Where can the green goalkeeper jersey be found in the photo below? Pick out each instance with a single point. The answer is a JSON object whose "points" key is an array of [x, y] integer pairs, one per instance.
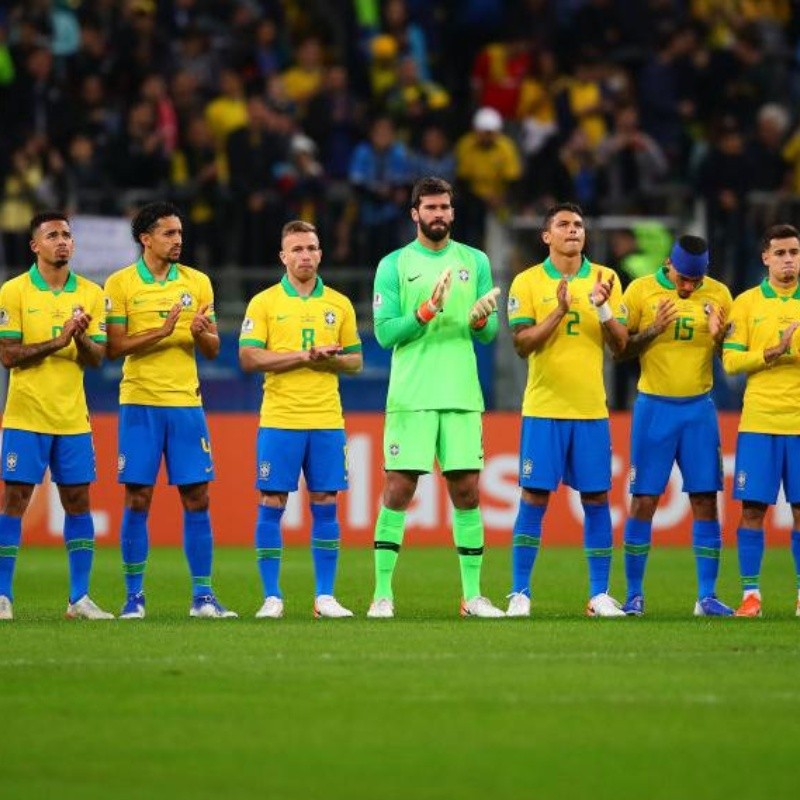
{"points": [[433, 364]]}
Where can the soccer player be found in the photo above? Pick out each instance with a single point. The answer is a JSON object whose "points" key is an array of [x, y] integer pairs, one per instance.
{"points": [[761, 343], [561, 312], [676, 321], [433, 297], [159, 313], [52, 326], [302, 335]]}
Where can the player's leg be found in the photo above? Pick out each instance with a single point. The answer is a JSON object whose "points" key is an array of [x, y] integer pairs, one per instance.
{"points": [[279, 456], [791, 486], [325, 469], [655, 431], [541, 467], [795, 546], [588, 470], [757, 478], [141, 432], [25, 456], [409, 447]]}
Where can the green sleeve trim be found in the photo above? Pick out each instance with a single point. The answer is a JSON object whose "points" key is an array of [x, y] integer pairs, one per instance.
{"points": [[116, 320], [521, 321], [251, 343], [734, 346], [353, 348], [11, 334], [622, 320], [100, 338]]}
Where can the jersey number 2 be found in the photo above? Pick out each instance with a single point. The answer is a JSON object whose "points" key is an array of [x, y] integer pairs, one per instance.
{"points": [[573, 319]]}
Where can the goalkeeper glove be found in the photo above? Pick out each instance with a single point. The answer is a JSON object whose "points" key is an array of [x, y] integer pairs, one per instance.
{"points": [[430, 308], [483, 307]]}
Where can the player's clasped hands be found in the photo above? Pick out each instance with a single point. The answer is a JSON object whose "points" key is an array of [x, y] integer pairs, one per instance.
{"points": [[602, 289], [563, 295], [322, 355], [75, 326], [171, 320], [200, 322], [484, 306], [716, 323], [666, 314]]}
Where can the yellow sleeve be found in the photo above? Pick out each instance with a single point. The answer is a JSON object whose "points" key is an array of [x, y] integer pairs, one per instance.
{"points": [[255, 325], [617, 306], [348, 333], [116, 301], [10, 311], [97, 311], [631, 307], [736, 355], [520, 302], [205, 296]]}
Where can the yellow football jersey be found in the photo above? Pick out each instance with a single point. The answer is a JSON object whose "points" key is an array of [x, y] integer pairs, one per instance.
{"points": [[166, 373], [678, 363], [565, 375], [48, 396], [757, 318], [280, 320]]}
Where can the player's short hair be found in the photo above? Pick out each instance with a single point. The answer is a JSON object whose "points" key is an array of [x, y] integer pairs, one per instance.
{"points": [[298, 226], [553, 210], [425, 187], [45, 216], [148, 216], [695, 245], [778, 232]]}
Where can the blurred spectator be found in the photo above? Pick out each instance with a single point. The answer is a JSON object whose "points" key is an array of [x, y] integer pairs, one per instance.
{"points": [[488, 163], [93, 115], [94, 56], [383, 66], [301, 180], [154, 91], [767, 165], [409, 37], [597, 25], [434, 157], [380, 172], [304, 80], [265, 54], [580, 100], [186, 99], [225, 113], [499, 71], [195, 55], [88, 188], [415, 103], [632, 165], [580, 159]]}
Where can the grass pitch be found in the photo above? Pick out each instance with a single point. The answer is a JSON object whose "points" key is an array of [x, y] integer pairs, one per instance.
{"points": [[423, 706]]}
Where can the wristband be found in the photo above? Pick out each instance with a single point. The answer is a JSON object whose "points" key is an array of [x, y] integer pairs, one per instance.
{"points": [[479, 324], [604, 312], [424, 313]]}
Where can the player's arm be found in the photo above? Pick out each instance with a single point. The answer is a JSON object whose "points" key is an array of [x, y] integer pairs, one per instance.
{"points": [[529, 337], [14, 353], [638, 341], [90, 352], [483, 320], [327, 358], [392, 325], [604, 294], [737, 358], [338, 362], [121, 343], [204, 332]]}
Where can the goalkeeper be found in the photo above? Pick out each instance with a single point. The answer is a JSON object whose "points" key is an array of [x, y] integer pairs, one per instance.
{"points": [[432, 298]]}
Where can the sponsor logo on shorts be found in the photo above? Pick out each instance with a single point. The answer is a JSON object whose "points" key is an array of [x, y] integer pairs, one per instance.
{"points": [[11, 462], [264, 469], [121, 461], [394, 449], [741, 479], [527, 468]]}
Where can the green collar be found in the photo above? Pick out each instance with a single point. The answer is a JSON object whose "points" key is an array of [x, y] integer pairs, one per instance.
{"points": [[41, 284], [420, 248], [292, 292], [661, 277], [148, 277], [769, 291], [552, 272]]}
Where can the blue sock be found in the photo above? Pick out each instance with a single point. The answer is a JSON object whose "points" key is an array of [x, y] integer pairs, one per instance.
{"points": [[269, 547], [598, 545], [750, 544], [79, 541], [324, 545], [707, 543], [198, 544], [526, 542], [638, 535], [796, 555], [134, 542], [10, 536]]}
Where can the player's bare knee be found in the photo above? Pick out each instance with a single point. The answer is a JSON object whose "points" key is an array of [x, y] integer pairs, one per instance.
{"points": [[643, 506], [704, 506], [594, 498], [753, 515], [535, 497], [75, 498], [398, 491], [16, 498], [463, 488], [138, 498], [194, 496], [274, 499]]}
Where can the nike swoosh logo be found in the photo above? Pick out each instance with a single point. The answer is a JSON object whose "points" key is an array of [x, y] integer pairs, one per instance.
{"points": [[282, 317], [32, 310], [139, 302], [758, 319], [548, 299], [209, 469], [414, 277]]}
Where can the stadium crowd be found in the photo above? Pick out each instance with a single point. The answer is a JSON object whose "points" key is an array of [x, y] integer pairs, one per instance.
{"points": [[250, 112]]}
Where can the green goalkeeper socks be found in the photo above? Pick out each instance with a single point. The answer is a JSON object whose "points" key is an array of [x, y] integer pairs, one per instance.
{"points": [[468, 536], [388, 538]]}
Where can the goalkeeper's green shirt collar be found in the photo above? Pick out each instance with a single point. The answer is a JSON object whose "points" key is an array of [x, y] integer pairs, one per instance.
{"points": [[420, 248]]}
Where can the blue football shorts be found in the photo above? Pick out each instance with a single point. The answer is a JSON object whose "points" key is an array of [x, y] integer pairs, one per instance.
{"points": [[682, 431], [763, 461], [26, 455], [281, 454], [178, 434], [575, 451]]}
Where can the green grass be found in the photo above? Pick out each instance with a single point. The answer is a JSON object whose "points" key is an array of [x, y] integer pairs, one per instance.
{"points": [[423, 706]]}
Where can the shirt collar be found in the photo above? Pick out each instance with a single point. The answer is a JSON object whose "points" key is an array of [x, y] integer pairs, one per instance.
{"points": [[41, 284], [768, 290], [292, 292], [148, 277], [552, 272]]}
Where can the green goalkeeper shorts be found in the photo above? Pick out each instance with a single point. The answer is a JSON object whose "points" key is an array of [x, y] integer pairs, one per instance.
{"points": [[412, 439]]}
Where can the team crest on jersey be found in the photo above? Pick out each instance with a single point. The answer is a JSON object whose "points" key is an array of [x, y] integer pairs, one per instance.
{"points": [[377, 300], [121, 462], [741, 479], [108, 304], [3, 317], [264, 468], [330, 317], [11, 462], [394, 449], [527, 468], [247, 325], [513, 304], [463, 275], [186, 299], [707, 309]]}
